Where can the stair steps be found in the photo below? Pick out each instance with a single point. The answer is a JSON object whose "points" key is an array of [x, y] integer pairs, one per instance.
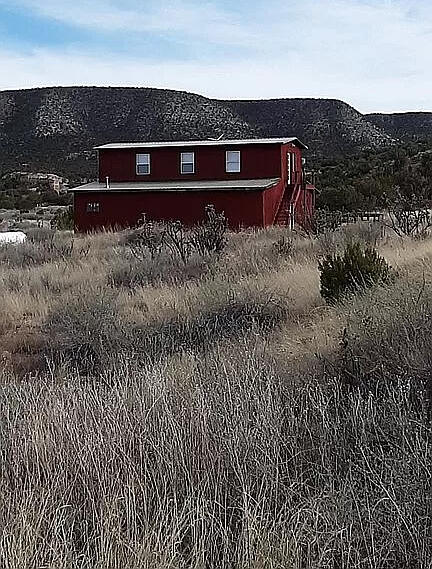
{"points": [[283, 216]]}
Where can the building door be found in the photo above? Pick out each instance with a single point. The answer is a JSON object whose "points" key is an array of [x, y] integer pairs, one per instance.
{"points": [[291, 166]]}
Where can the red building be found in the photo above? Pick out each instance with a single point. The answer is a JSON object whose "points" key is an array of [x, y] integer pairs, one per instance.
{"points": [[257, 182]]}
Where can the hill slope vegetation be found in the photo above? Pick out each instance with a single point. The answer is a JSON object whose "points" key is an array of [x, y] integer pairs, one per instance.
{"points": [[404, 126], [56, 128], [330, 128]]}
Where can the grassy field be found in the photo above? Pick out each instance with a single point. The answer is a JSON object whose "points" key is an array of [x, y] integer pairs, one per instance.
{"points": [[213, 414]]}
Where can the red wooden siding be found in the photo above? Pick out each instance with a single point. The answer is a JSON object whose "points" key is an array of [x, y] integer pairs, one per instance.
{"points": [[257, 161], [122, 209]]}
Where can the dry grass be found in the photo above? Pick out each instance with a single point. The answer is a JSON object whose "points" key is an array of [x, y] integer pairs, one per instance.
{"points": [[182, 418], [252, 284], [214, 463]]}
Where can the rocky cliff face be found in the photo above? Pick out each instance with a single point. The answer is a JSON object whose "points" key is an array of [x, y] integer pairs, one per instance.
{"points": [[56, 128]]}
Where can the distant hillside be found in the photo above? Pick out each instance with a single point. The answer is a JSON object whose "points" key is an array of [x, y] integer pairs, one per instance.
{"points": [[55, 129], [329, 127], [412, 126]]}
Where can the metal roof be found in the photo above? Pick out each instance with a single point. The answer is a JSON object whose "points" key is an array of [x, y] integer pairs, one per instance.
{"points": [[225, 142], [179, 186]]}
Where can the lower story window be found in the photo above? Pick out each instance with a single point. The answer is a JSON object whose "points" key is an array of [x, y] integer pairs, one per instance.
{"points": [[93, 207]]}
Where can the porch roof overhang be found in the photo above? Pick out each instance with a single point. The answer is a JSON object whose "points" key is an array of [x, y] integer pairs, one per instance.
{"points": [[179, 186]]}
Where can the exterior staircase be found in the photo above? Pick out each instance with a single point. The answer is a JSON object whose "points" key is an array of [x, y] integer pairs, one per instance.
{"points": [[287, 205]]}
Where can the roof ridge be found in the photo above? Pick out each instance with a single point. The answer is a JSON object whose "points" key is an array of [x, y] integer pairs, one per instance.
{"points": [[203, 142]]}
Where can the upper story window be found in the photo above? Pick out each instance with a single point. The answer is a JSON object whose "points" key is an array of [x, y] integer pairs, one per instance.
{"points": [[233, 161], [143, 164], [187, 163]]}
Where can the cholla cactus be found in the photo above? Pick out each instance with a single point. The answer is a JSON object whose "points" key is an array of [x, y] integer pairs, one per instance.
{"points": [[209, 237]]}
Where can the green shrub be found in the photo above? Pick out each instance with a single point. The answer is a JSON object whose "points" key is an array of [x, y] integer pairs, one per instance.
{"points": [[358, 268], [323, 221], [64, 220]]}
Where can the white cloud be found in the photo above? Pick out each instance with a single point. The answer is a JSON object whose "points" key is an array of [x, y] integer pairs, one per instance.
{"points": [[239, 79], [374, 54]]}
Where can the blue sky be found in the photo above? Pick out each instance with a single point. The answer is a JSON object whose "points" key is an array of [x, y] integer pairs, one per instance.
{"points": [[374, 54]]}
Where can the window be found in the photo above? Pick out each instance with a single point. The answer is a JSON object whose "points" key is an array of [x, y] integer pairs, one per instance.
{"points": [[187, 161], [143, 164], [233, 161], [93, 207]]}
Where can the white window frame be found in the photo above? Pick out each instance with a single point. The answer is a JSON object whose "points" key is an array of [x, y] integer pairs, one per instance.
{"points": [[290, 164], [229, 163], [141, 161], [93, 207], [184, 162]]}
